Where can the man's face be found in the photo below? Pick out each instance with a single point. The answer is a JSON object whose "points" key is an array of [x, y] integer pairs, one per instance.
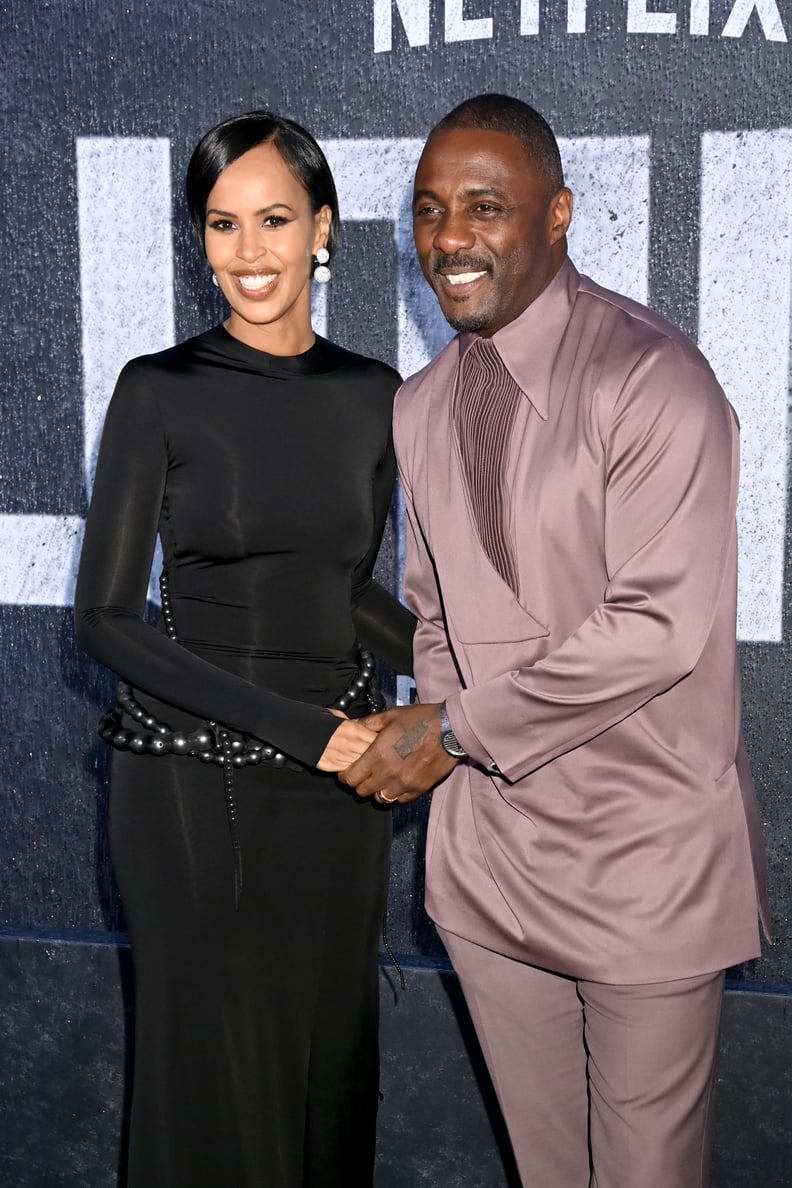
{"points": [[489, 231]]}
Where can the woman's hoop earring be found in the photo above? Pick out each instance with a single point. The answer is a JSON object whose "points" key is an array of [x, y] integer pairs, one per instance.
{"points": [[321, 272]]}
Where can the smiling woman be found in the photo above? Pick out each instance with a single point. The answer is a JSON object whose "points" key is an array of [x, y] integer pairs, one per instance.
{"points": [[260, 239], [262, 207], [262, 455]]}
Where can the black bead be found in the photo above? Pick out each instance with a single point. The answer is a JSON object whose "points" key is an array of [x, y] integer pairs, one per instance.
{"points": [[213, 743]]}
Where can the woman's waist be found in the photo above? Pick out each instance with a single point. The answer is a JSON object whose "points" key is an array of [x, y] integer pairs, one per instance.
{"points": [[266, 623], [314, 679], [228, 652], [308, 676]]}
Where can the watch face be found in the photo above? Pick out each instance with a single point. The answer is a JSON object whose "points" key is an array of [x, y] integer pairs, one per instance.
{"points": [[451, 744]]}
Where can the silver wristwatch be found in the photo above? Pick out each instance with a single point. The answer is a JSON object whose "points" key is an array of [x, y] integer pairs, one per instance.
{"points": [[448, 740]]}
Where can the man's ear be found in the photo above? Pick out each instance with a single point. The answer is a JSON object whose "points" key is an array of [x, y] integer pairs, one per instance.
{"points": [[560, 214]]}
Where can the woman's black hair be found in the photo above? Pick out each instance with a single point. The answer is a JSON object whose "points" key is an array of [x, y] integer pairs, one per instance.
{"points": [[223, 145]]}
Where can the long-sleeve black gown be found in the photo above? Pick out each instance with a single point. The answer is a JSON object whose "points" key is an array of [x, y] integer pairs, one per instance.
{"points": [[268, 480]]}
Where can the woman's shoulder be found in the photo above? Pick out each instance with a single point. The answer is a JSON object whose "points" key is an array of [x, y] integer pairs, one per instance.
{"points": [[363, 367], [172, 359]]}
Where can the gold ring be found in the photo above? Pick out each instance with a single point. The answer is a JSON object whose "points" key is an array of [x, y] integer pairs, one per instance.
{"points": [[386, 799]]}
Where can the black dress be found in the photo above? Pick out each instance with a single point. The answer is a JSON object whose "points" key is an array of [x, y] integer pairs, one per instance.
{"points": [[268, 480]]}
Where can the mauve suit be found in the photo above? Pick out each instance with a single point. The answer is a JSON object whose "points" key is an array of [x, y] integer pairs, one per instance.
{"points": [[606, 825]]}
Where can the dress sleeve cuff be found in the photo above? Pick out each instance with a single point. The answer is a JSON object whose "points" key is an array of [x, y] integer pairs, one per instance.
{"points": [[306, 738]]}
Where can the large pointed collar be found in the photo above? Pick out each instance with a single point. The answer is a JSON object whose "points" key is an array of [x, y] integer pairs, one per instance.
{"points": [[528, 346]]}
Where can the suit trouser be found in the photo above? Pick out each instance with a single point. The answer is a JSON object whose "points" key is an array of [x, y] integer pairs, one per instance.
{"points": [[601, 1086]]}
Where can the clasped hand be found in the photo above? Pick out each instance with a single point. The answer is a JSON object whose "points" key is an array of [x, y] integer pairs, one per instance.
{"points": [[397, 753], [346, 744]]}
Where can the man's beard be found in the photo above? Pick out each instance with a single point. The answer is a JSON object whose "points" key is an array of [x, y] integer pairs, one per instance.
{"points": [[473, 321]]}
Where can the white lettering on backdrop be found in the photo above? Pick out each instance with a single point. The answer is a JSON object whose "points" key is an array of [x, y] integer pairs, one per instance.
{"points": [[415, 18], [126, 275]]}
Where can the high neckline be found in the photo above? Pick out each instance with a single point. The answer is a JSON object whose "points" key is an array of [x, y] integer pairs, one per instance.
{"points": [[321, 357]]}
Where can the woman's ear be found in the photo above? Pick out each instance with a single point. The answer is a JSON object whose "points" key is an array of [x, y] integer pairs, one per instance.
{"points": [[324, 221]]}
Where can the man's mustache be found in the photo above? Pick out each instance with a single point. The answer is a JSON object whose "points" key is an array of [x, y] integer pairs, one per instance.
{"points": [[460, 260]]}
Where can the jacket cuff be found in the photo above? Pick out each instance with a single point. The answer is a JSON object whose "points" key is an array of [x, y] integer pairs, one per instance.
{"points": [[466, 735]]}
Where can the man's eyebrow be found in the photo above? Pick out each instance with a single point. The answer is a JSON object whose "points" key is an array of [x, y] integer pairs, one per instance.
{"points": [[425, 194], [483, 191], [472, 192]]}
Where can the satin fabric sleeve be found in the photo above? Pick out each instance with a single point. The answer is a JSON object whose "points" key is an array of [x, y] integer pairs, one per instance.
{"points": [[112, 586], [671, 468]]}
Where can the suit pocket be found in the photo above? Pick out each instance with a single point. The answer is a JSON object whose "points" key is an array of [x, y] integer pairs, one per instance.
{"points": [[495, 620]]}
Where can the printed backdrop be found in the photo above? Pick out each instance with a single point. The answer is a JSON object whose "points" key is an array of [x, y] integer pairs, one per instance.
{"points": [[675, 121]]}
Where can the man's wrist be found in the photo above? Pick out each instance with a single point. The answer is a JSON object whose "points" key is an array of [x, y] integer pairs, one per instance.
{"points": [[448, 740]]}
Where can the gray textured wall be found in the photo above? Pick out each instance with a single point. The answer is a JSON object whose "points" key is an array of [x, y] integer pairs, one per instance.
{"points": [[679, 146]]}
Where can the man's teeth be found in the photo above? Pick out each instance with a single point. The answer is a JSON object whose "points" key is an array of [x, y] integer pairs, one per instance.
{"points": [[463, 278], [252, 283]]}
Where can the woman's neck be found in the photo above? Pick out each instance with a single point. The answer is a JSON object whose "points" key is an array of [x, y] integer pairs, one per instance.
{"points": [[275, 338]]}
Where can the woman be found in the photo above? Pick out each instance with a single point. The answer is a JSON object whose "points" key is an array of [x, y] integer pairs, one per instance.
{"points": [[262, 456]]}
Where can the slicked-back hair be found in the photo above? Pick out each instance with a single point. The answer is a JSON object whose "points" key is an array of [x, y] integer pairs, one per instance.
{"points": [[502, 113], [223, 145]]}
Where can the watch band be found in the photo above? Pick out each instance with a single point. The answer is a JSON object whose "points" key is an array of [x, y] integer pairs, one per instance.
{"points": [[448, 740]]}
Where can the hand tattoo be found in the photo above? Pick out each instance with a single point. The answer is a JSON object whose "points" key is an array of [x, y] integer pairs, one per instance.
{"points": [[410, 739]]}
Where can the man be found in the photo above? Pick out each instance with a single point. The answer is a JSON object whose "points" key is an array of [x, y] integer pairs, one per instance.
{"points": [[594, 861]]}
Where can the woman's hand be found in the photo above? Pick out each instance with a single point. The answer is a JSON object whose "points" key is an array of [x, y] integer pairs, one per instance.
{"points": [[346, 745]]}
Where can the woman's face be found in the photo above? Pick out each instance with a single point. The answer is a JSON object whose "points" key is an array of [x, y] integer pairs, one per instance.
{"points": [[260, 236]]}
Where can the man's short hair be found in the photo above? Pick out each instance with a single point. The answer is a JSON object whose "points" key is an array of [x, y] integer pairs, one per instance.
{"points": [[502, 113]]}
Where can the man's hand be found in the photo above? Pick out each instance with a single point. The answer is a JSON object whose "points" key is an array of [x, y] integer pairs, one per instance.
{"points": [[405, 760]]}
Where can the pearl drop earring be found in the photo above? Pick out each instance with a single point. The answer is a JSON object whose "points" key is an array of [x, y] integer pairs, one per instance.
{"points": [[321, 273], [215, 281]]}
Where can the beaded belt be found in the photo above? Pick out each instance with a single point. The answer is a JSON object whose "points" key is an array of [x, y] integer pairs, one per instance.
{"points": [[212, 742]]}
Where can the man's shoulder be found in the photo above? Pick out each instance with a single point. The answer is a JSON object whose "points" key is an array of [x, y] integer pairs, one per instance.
{"points": [[639, 326], [443, 364], [418, 386], [636, 354]]}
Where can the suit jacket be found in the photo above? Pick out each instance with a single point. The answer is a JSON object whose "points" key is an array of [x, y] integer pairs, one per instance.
{"points": [[605, 825]]}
